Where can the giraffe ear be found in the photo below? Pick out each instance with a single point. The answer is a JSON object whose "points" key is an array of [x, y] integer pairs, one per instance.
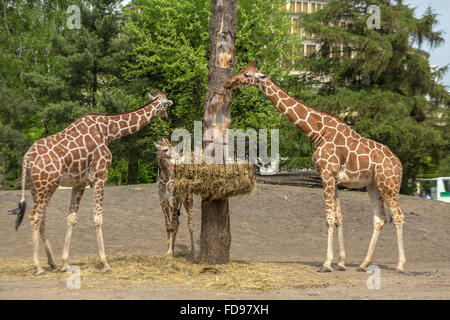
{"points": [[157, 146], [164, 90], [165, 140], [253, 64], [150, 97]]}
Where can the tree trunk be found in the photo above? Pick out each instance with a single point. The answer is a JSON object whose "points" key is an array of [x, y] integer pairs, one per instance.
{"points": [[132, 168], [215, 237]]}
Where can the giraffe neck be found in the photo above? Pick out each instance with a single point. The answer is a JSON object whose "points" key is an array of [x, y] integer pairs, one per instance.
{"points": [[125, 124], [305, 118], [166, 169]]}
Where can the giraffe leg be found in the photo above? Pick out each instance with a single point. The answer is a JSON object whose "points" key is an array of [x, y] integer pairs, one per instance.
{"points": [[398, 218], [329, 194], [172, 229], [188, 204], [77, 193], [99, 188], [37, 212], [379, 219], [339, 224], [48, 248]]}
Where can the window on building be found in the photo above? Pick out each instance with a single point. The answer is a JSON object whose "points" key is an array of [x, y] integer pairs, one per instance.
{"points": [[305, 7], [347, 52], [296, 27], [310, 50], [335, 51], [292, 6]]}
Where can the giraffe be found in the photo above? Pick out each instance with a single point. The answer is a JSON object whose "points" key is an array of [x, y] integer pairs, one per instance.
{"points": [[170, 199], [343, 157], [76, 157]]}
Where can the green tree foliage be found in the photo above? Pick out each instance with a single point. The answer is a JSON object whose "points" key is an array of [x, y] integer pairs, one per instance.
{"points": [[50, 75]]}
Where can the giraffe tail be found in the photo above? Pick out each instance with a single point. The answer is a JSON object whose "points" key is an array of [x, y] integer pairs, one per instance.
{"points": [[20, 210]]}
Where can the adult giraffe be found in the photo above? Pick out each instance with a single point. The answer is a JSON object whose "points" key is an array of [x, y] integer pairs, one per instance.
{"points": [[75, 157], [342, 156]]}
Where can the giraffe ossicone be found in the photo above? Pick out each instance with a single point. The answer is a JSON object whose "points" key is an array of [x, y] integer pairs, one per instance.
{"points": [[343, 157], [76, 157]]}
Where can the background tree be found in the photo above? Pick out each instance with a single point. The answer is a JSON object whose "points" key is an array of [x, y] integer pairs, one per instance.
{"points": [[376, 80], [50, 75]]}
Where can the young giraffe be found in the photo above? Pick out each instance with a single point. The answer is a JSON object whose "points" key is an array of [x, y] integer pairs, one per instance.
{"points": [[342, 156], [75, 157], [171, 200]]}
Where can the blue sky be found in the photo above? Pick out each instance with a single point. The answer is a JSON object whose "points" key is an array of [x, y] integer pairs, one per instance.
{"points": [[439, 56]]}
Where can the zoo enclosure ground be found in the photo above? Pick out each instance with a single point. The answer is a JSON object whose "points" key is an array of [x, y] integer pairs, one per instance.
{"points": [[277, 224]]}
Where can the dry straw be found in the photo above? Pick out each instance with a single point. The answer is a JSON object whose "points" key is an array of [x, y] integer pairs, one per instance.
{"points": [[215, 181], [137, 269]]}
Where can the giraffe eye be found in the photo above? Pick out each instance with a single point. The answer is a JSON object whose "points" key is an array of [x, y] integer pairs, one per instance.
{"points": [[247, 75]]}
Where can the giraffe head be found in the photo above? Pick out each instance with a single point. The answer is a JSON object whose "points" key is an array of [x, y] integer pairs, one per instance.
{"points": [[163, 103], [248, 76], [166, 151]]}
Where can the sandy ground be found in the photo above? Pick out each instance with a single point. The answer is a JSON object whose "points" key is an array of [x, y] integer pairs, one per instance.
{"points": [[283, 224]]}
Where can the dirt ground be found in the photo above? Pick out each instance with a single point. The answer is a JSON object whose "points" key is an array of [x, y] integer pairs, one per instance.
{"points": [[281, 224]]}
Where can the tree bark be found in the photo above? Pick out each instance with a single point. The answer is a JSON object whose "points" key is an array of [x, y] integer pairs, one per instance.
{"points": [[133, 166], [215, 237]]}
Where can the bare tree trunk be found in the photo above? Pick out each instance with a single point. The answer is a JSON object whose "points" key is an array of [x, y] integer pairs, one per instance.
{"points": [[133, 166], [215, 237]]}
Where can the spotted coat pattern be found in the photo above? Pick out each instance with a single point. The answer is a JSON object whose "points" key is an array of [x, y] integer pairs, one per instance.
{"points": [[171, 199], [76, 157], [343, 157]]}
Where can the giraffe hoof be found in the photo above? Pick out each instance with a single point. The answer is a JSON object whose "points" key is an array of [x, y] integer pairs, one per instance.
{"points": [[39, 271], [106, 269], [64, 267], [325, 268], [400, 270], [53, 266], [341, 267], [170, 254], [362, 269]]}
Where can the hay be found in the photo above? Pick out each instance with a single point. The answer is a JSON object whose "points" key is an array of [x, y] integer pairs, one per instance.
{"points": [[135, 269], [215, 181]]}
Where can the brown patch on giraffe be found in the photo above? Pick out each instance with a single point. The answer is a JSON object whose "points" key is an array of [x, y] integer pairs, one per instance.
{"points": [[41, 149], [133, 120], [79, 141], [342, 153], [352, 143], [301, 112], [339, 140], [362, 149], [142, 122], [364, 162], [315, 121], [76, 154], [344, 129], [282, 95], [354, 135], [352, 162]]}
